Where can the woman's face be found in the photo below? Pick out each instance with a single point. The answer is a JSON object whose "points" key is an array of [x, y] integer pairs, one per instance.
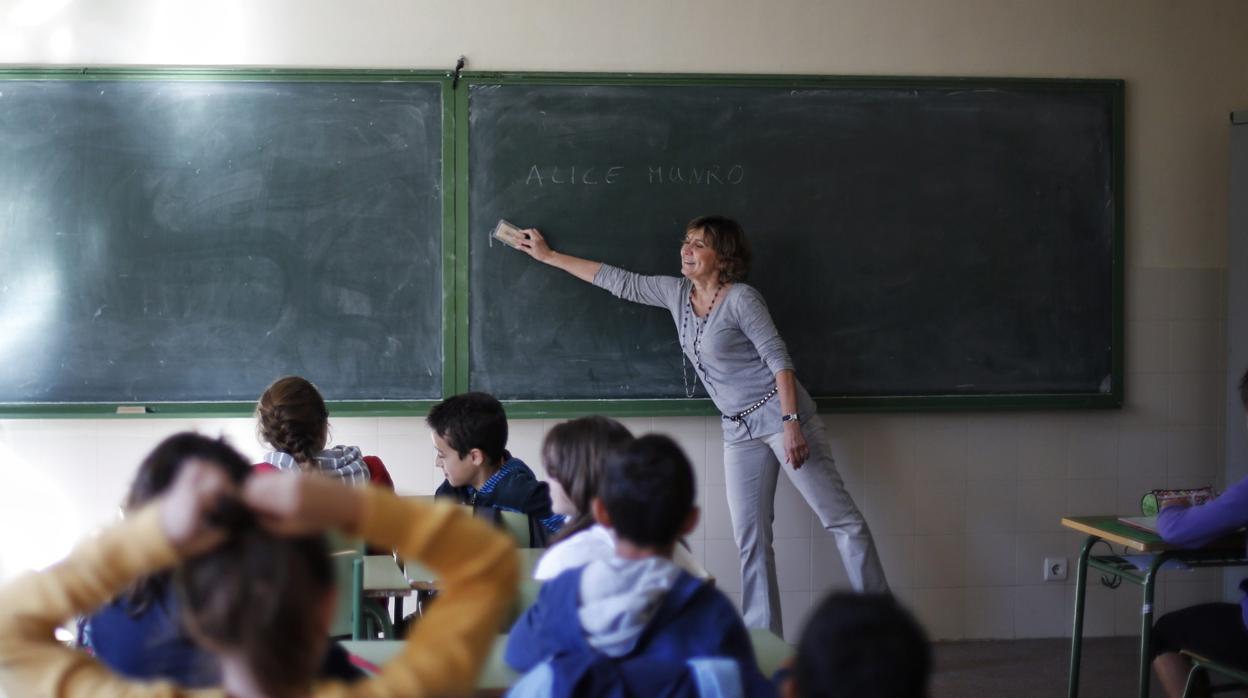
{"points": [[560, 502], [698, 260]]}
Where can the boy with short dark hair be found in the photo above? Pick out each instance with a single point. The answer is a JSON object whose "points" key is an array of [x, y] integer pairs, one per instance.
{"points": [[631, 624], [470, 441], [860, 645]]}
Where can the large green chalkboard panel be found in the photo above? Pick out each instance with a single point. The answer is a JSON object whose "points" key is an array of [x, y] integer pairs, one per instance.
{"points": [[914, 239], [190, 240]]}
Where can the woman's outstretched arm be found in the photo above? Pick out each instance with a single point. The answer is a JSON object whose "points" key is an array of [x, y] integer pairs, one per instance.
{"points": [[534, 245]]}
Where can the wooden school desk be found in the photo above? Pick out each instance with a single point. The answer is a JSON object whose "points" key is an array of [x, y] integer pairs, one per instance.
{"points": [[770, 650], [1228, 552]]}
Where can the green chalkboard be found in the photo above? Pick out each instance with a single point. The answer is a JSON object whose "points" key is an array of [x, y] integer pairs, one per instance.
{"points": [[938, 242], [174, 238]]}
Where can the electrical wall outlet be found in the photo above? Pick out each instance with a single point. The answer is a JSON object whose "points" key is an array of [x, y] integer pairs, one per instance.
{"points": [[1055, 569]]}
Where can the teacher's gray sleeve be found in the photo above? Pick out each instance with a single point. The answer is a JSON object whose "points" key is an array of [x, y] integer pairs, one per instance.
{"points": [[755, 322], [663, 291]]}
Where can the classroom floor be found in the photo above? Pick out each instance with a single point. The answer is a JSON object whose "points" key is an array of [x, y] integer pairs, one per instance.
{"points": [[1035, 668]]}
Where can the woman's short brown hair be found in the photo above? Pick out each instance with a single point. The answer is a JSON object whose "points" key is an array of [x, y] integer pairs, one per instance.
{"points": [[727, 238]]}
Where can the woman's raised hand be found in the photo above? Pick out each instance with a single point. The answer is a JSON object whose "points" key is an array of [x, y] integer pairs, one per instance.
{"points": [[534, 245], [300, 504]]}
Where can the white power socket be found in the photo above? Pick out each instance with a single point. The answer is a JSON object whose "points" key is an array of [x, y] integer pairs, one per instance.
{"points": [[1055, 569]]}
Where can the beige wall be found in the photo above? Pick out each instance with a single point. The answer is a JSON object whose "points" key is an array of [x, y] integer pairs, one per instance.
{"points": [[964, 506]]}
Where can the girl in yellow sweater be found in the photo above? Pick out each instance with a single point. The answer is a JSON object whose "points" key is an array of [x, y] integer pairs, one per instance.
{"points": [[257, 589]]}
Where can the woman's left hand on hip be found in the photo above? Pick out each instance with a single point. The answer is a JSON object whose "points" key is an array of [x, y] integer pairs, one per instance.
{"points": [[796, 451]]}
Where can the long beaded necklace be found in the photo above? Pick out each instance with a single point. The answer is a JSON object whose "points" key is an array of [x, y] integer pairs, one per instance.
{"points": [[699, 327]]}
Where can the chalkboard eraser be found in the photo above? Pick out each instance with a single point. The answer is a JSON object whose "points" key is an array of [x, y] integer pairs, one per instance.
{"points": [[132, 409], [508, 234]]}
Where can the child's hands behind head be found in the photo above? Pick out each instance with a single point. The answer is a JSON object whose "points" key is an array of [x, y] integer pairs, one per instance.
{"points": [[299, 504], [187, 509]]}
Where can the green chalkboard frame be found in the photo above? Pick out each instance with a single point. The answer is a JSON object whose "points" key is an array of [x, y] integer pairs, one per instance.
{"points": [[826, 403], [455, 177], [344, 408]]}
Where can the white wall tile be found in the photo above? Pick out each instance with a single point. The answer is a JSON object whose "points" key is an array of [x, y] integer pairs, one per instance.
{"points": [[1197, 345], [1192, 457], [1093, 452], [716, 520], [1142, 453], [989, 612], [888, 452], [713, 468], [940, 449], [1147, 400], [524, 440], [889, 509], [690, 434], [992, 451], [1041, 505], [897, 558], [940, 507], [1148, 343], [991, 507], [1150, 291], [723, 562], [793, 517], [1042, 452], [409, 458], [938, 561], [989, 560], [1091, 497], [793, 563], [1197, 399], [1197, 294]]}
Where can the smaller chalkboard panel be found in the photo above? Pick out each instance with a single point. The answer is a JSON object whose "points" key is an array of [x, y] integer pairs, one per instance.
{"points": [[169, 240]]}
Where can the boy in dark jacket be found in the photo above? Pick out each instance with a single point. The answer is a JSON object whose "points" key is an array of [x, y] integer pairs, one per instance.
{"points": [[470, 438], [630, 625]]}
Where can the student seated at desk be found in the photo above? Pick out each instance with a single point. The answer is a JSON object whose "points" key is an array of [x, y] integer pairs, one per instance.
{"points": [[470, 440], [1218, 631], [860, 645], [573, 454], [631, 624], [294, 422], [257, 583], [139, 634]]}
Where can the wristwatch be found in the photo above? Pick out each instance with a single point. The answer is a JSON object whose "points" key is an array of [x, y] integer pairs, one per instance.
{"points": [[790, 417]]}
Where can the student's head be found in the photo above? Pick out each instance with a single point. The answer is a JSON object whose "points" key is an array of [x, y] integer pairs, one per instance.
{"points": [[647, 493], [469, 436], [264, 603], [156, 474], [727, 239], [292, 418], [161, 467], [573, 454], [860, 645]]}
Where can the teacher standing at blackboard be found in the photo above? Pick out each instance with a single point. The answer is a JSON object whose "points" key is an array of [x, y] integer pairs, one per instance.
{"points": [[731, 343]]}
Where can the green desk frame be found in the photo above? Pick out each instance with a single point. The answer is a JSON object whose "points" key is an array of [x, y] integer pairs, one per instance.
{"points": [[1228, 553]]}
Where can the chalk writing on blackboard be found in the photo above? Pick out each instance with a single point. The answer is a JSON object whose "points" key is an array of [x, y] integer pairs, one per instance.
{"points": [[543, 175]]}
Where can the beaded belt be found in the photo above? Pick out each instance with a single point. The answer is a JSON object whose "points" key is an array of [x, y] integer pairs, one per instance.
{"points": [[740, 416]]}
